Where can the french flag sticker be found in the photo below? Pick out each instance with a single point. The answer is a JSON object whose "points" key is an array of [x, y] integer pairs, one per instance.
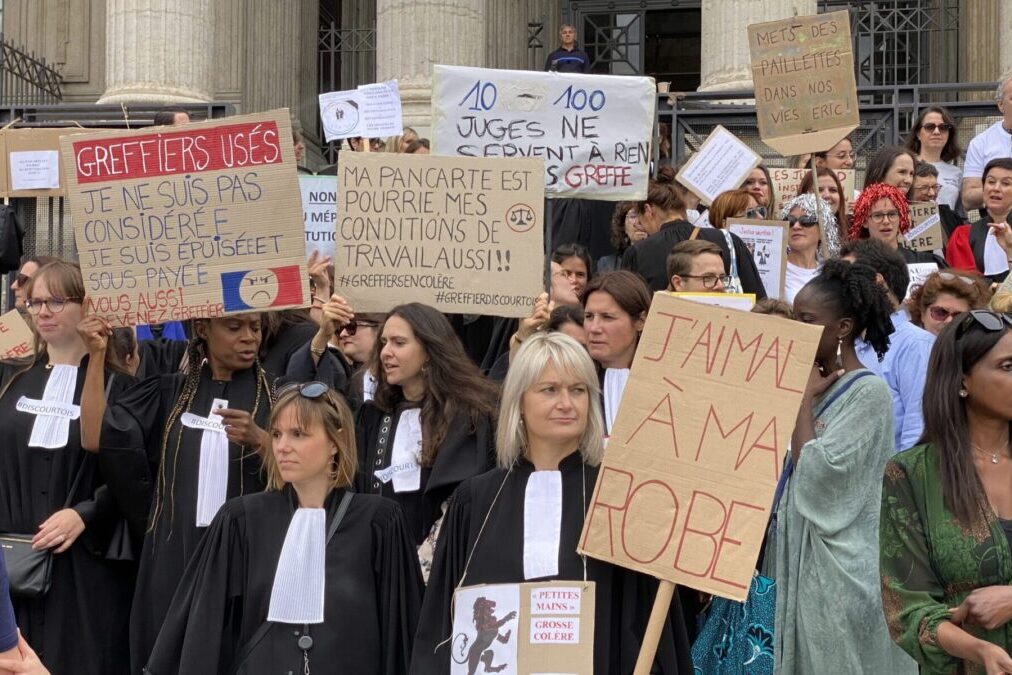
{"points": [[249, 290]]}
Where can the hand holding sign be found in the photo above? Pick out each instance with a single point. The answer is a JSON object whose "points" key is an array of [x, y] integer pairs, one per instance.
{"points": [[95, 331]]}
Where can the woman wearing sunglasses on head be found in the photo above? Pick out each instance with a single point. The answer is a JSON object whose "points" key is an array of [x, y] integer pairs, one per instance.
{"points": [[549, 446], [176, 446], [946, 530], [882, 212], [802, 214], [53, 501], [302, 578], [429, 425], [943, 296]]}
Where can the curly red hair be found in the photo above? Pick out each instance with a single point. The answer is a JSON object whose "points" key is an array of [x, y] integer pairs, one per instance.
{"points": [[871, 194]]}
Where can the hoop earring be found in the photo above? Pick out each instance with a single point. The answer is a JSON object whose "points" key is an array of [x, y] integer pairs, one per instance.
{"points": [[334, 468]]}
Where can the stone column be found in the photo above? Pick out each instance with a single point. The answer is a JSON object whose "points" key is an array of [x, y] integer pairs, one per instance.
{"points": [[412, 36], [159, 51], [725, 60], [1003, 35]]}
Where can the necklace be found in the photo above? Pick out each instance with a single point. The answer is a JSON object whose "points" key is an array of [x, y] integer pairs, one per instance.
{"points": [[994, 455]]}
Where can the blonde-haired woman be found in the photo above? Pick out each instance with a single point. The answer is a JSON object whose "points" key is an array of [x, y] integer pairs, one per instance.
{"points": [[522, 521], [302, 577]]}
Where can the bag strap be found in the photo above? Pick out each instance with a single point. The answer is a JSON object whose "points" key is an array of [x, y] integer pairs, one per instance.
{"points": [[695, 233], [266, 626]]}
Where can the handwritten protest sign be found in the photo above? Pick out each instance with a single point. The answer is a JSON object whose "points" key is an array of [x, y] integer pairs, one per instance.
{"points": [[925, 233], [460, 234], [787, 184], [524, 628], [766, 240], [743, 302], [688, 477], [722, 163], [593, 132], [371, 111], [188, 222], [805, 93], [919, 273], [16, 337], [319, 213]]}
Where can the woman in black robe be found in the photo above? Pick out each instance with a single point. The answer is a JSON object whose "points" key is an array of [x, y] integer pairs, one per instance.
{"points": [[51, 488], [151, 459], [368, 574], [431, 392], [549, 421]]}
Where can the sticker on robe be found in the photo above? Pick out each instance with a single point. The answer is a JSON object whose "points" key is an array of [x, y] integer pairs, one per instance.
{"points": [[404, 469], [542, 524], [54, 412], [524, 628], [212, 471], [257, 289], [297, 594]]}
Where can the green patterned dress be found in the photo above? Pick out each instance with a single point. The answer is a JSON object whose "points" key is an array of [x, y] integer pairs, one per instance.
{"points": [[930, 562]]}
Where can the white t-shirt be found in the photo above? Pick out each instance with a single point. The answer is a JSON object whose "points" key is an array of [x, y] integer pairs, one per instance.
{"points": [[950, 177], [795, 279], [992, 143]]}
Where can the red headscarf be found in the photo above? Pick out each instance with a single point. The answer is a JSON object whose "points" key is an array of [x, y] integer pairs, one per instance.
{"points": [[871, 194]]}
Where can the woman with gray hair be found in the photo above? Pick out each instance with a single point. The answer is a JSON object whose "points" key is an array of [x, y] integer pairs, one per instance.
{"points": [[521, 522], [803, 215]]}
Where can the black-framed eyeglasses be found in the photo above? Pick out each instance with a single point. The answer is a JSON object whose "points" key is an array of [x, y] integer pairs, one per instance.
{"points": [[352, 327], [55, 305], [804, 221], [709, 280], [932, 128], [986, 319], [311, 390]]}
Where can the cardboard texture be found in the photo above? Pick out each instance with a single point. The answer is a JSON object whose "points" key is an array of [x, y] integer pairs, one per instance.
{"points": [[787, 183], [925, 233], [805, 93], [593, 131], [722, 163], [687, 481], [530, 628], [319, 212], [742, 302], [767, 241], [460, 234], [16, 337], [32, 140], [190, 222]]}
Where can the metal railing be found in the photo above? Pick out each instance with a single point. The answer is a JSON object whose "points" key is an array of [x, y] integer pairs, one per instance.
{"points": [[25, 79]]}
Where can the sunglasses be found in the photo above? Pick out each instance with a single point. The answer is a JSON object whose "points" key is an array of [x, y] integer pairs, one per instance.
{"points": [[986, 319], [804, 221], [352, 327], [949, 276], [932, 128], [941, 314], [310, 390]]}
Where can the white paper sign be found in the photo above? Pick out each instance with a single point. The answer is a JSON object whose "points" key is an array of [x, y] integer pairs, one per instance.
{"points": [[593, 131], [549, 600], [485, 622], [555, 630], [319, 213], [767, 242], [919, 272], [722, 163], [35, 170], [371, 111]]}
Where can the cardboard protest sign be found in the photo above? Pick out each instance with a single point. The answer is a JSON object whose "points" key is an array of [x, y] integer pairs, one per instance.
{"points": [[688, 476], [16, 337], [925, 233], [460, 234], [188, 222], [30, 162], [371, 111], [593, 131], [805, 93], [766, 240], [787, 184], [743, 302], [722, 163], [919, 273], [524, 628], [319, 212]]}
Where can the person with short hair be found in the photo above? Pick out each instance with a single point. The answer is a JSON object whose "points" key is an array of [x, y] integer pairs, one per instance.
{"points": [[933, 139], [626, 230], [944, 296], [973, 246], [993, 143], [521, 522], [567, 58], [171, 117], [925, 187], [696, 266], [419, 146]]}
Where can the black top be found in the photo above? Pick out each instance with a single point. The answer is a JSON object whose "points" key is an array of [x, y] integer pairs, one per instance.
{"points": [[623, 598], [913, 257], [372, 594], [568, 61], [649, 257]]}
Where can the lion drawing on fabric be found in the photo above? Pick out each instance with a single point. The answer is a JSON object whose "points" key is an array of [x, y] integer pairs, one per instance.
{"points": [[487, 626]]}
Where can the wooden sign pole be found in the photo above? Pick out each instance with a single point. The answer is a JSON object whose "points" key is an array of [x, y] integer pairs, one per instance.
{"points": [[658, 615]]}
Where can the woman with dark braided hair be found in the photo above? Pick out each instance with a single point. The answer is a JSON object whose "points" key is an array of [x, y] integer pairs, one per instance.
{"points": [[826, 537], [177, 445]]}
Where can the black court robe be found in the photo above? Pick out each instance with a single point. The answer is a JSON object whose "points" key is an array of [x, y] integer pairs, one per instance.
{"points": [[372, 599], [132, 462], [623, 599], [464, 452], [78, 627]]}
